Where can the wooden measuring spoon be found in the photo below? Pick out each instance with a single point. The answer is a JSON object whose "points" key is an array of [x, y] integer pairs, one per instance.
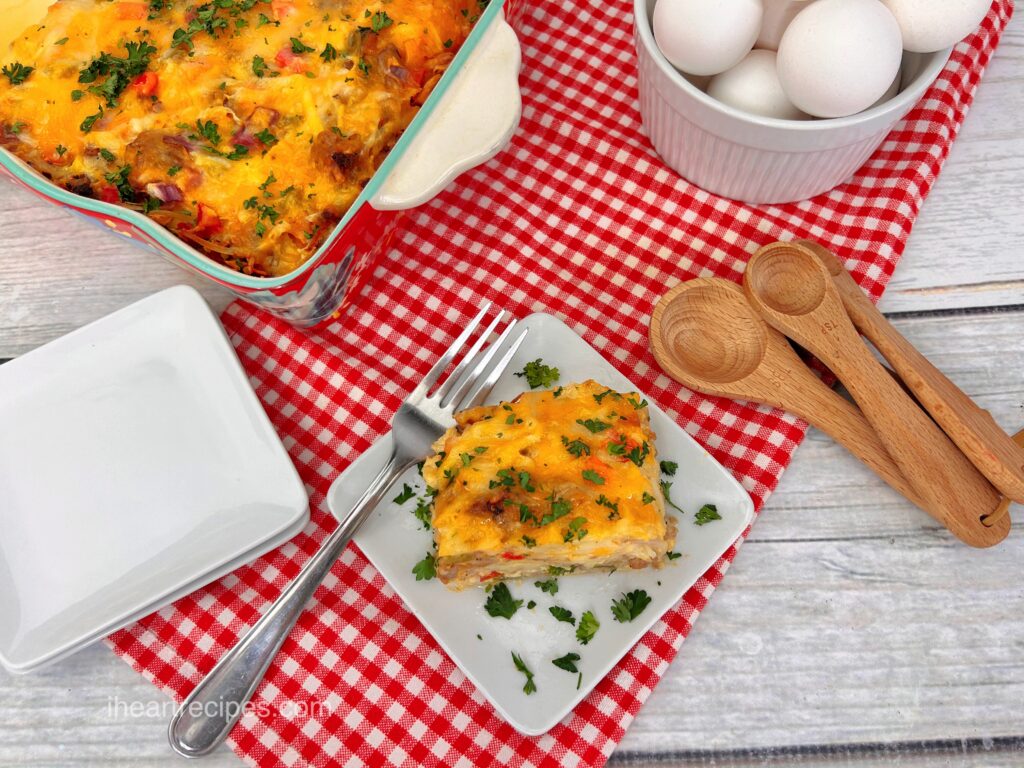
{"points": [[794, 292], [974, 430], [705, 335]]}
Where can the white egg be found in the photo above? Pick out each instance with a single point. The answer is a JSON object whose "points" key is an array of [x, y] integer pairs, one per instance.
{"points": [[893, 89], [705, 37], [838, 57], [777, 16], [753, 86], [931, 25]]}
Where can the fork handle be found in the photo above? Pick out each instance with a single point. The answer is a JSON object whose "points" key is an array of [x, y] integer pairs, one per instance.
{"points": [[208, 714]]}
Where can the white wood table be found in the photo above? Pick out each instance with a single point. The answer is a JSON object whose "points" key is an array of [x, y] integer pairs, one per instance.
{"points": [[850, 629]]}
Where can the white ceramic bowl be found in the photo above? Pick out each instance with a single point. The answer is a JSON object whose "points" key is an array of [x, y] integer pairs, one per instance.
{"points": [[760, 159]]}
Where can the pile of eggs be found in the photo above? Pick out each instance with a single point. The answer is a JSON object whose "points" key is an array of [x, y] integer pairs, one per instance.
{"points": [[798, 59]]}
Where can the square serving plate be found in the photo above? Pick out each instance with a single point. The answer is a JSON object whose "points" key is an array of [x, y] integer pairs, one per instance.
{"points": [[480, 645], [136, 465]]}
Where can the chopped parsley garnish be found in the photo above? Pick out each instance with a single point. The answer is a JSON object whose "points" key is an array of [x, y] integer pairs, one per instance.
{"points": [[557, 392], [112, 74], [530, 543], [602, 395], [107, 155], [706, 514], [550, 586], [637, 454], [665, 488], [259, 66], [530, 687], [604, 501], [300, 47], [422, 512], [425, 569], [630, 605], [559, 508], [539, 375], [329, 53], [120, 181], [531, 605], [363, 67], [61, 150], [524, 482], [205, 20], [554, 570], [593, 425], [379, 21], [90, 121], [500, 603], [263, 20], [17, 73], [406, 494], [562, 614], [576, 447], [673, 555], [207, 129], [506, 478], [638, 404], [669, 468], [268, 213], [575, 530], [567, 662], [592, 476], [647, 498], [62, 41], [77, 95], [587, 628]]}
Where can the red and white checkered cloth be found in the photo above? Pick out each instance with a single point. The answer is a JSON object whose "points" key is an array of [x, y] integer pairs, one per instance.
{"points": [[578, 218]]}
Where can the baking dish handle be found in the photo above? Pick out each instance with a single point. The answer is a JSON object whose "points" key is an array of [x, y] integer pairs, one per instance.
{"points": [[473, 121]]}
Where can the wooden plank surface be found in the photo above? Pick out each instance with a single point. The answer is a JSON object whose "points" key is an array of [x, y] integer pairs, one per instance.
{"points": [[850, 629]]}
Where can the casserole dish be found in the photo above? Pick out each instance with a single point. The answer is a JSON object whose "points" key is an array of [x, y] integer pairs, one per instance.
{"points": [[469, 117]]}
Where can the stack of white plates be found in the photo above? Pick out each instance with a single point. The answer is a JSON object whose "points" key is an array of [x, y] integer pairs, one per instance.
{"points": [[136, 465]]}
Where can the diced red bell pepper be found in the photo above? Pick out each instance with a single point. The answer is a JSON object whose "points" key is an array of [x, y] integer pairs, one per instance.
{"points": [[207, 222], [512, 556], [109, 195], [132, 11], [286, 58], [146, 83], [282, 8]]}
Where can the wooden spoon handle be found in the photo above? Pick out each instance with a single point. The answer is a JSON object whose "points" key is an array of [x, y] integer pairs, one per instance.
{"points": [[838, 418], [794, 293], [1004, 505], [973, 429]]}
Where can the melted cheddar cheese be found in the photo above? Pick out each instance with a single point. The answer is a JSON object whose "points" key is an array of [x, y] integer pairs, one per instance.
{"points": [[247, 127], [566, 478]]}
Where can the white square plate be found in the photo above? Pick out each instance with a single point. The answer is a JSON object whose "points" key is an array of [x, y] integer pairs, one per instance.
{"points": [[136, 465], [394, 541]]}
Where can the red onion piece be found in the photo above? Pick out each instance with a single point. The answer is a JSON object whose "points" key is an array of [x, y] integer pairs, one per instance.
{"points": [[180, 141], [245, 138], [165, 193]]}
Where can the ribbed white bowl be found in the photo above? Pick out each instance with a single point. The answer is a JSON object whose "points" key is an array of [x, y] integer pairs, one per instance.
{"points": [[760, 159]]}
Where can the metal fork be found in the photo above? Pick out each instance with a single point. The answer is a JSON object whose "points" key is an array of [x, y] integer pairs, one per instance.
{"points": [[208, 714]]}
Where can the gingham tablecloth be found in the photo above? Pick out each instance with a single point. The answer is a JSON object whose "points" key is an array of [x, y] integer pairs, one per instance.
{"points": [[578, 218]]}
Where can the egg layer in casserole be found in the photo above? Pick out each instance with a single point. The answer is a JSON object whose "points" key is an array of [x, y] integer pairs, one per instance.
{"points": [[560, 480], [247, 127]]}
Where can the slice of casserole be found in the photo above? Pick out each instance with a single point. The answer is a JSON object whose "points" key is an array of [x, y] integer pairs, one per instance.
{"points": [[561, 479]]}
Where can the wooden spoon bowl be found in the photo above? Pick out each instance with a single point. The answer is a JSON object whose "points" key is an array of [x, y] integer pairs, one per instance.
{"points": [[794, 292], [705, 335]]}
